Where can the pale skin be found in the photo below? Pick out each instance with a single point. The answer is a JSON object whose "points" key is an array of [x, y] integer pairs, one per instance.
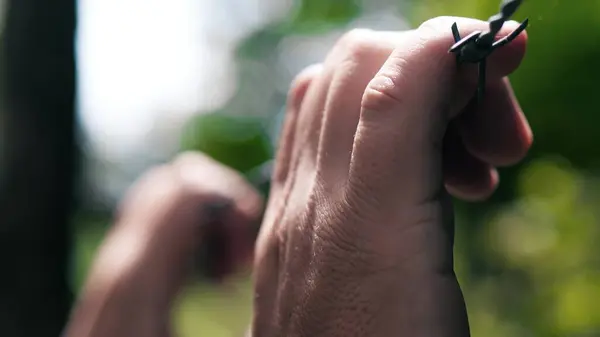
{"points": [[357, 236]]}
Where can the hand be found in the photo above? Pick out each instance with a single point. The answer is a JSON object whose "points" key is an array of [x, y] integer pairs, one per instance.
{"points": [[148, 255], [358, 235]]}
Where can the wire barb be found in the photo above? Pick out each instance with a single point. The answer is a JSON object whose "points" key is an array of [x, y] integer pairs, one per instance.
{"points": [[477, 46]]}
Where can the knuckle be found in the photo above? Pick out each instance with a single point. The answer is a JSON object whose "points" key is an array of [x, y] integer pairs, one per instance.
{"points": [[436, 36], [296, 91], [164, 180], [437, 24], [300, 85], [352, 36], [383, 93], [358, 44], [158, 186], [304, 78], [174, 189]]}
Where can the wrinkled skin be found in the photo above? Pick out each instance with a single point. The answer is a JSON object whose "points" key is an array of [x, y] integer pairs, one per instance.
{"points": [[358, 235]]}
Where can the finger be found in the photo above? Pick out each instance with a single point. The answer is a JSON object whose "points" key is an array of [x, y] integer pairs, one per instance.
{"points": [[212, 181], [496, 131], [296, 95], [505, 59], [231, 210], [284, 159], [465, 176], [308, 128], [501, 63], [358, 56], [267, 253], [405, 111]]}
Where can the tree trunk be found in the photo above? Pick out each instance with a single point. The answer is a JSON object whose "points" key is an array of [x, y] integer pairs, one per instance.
{"points": [[37, 85]]}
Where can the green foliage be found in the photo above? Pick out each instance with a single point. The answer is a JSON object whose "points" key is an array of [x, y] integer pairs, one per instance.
{"points": [[320, 15], [543, 248], [240, 142], [215, 311]]}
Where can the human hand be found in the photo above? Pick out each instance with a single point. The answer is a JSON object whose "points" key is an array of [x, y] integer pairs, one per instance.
{"points": [[358, 235], [164, 221]]}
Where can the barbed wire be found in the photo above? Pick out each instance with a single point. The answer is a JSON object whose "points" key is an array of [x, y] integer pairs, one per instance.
{"points": [[476, 47], [507, 9]]}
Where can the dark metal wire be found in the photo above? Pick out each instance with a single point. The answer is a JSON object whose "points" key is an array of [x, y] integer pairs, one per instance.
{"points": [[477, 46]]}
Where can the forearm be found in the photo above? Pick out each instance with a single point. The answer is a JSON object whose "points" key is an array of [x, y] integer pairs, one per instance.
{"points": [[123, 296], [117, 309]]}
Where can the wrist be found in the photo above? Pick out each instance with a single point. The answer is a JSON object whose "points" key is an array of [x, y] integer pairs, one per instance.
{"points": [[118, 309]]}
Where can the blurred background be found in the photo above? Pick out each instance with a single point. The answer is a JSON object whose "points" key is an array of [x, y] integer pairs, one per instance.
{"points": [[94, 92]]}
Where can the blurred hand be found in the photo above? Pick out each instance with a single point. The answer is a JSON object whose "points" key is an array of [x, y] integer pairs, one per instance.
{"points": [[358, 235], [149, 253]]}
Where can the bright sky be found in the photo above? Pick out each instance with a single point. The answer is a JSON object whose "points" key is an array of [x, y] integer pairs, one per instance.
{"points": [[138, 59], [147, 65], [143, 62]]}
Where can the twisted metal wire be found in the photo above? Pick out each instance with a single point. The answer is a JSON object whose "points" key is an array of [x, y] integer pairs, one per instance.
{"points": [[507, 10]]}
